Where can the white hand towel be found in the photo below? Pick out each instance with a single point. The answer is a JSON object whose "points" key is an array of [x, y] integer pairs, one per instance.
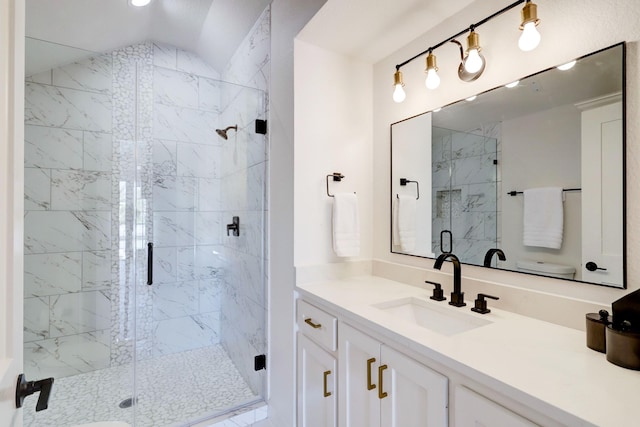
{"points": [[346, 225], [543, 217], [404, 227]]}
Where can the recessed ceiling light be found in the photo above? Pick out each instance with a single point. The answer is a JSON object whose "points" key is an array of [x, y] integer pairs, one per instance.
{"points": [[512, 84], [567, 66], [140, 3], [471, 98]]}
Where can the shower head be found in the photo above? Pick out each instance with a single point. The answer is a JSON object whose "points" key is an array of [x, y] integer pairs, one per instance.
{"points": [[223, 132]]}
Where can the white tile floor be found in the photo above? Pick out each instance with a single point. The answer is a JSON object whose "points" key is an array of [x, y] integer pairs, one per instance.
{"points": [[172, 391]]}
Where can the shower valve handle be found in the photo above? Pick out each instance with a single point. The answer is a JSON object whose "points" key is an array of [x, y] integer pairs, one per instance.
{"points": [[235, 226], [26, 388]]}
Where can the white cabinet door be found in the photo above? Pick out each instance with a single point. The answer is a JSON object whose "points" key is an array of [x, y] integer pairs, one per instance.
{"points": [[316, 385], [602, 225], [381, 387], [416, 395], [474, 410], [359, 364]]}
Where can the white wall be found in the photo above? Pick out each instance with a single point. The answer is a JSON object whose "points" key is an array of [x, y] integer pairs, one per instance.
{"points": [[287, 18], [547, 142], [570, 28], [333, 133]]}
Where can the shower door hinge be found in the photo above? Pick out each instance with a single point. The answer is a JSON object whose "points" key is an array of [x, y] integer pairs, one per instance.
{"points": [[260, 362], [261, 127]]}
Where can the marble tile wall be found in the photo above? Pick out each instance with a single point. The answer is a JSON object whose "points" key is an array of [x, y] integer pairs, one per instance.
{"points": [[464, 192], [244, 175], [68, 218], [186, 203]]}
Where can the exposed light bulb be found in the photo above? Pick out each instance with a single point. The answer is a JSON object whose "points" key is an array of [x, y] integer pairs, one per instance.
{"points": [[567, 66], [471, 98], [512, 84], [398, 94], [473, 61], [530, 37], [433, 80], [140, 3]]}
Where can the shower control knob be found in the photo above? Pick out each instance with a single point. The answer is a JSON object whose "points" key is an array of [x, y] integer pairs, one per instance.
{"points": [[592, 266]]}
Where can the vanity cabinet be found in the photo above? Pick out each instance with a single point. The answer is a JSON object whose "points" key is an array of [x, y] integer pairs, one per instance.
{"points": [[317, 367], [473, 410], [379, 386]]}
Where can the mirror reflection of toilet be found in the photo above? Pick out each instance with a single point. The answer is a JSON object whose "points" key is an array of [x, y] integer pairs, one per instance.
{"points": [[546, 269]]}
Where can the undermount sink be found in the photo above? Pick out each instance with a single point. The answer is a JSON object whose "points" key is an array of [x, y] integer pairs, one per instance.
{"points": [[443, 319]]}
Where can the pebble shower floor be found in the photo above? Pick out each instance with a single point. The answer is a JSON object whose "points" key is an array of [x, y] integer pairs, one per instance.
{"points": [[172, 390]]}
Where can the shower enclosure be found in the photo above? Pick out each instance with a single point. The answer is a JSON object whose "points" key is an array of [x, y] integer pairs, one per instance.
{"points": [[138, 300], [465, 192]]}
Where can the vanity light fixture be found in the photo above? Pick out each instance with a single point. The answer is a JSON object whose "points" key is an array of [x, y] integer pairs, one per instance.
{"points": [[471, 98], [567, 66], [472, 62], [530, 38], [437, 109], [433, 80], [140, 3], [512, 84], [398, 93]]}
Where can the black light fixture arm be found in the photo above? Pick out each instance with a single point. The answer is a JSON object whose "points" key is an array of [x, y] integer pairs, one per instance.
{"points": [[458, 34]]}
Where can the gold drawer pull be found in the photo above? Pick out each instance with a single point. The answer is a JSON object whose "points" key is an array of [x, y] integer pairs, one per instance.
{"points": [[313, 325], [381, 394], [326, 393], [369, 363]]}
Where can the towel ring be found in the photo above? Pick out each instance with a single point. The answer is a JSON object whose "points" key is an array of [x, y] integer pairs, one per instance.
{"points": [[404, 181], [337, 177]]}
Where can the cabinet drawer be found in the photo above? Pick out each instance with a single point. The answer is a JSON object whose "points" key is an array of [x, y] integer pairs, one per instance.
{"points": [[318, 325]]}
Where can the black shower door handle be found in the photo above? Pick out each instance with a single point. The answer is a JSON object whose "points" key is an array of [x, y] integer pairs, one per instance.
{"points": [[149, 263], [442, 233]]}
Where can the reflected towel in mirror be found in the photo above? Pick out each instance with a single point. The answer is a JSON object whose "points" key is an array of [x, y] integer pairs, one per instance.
{"points": [[404, 222], [543, 217], [346, 225]]}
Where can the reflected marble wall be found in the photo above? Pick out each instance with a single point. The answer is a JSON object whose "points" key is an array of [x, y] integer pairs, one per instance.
{"points": [[464, 192]]}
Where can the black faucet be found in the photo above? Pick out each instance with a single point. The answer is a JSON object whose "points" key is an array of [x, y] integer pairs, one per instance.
{"points": [[457, 296], [489, 255]]}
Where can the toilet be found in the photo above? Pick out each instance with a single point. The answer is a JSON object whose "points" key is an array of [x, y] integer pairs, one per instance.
{"points": [[546, 269], [105, 424]]}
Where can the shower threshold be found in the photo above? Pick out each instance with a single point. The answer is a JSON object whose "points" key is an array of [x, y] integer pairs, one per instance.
{"points": [[165, 396]]}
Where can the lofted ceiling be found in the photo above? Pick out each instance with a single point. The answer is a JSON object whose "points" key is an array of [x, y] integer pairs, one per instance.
{"points": [[373, 29], [212, 28]]}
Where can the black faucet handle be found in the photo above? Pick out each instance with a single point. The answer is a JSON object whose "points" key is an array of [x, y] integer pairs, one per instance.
{"points": [[438, 294], [480, 305]]}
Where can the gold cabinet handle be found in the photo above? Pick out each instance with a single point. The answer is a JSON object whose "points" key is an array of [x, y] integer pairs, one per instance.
{"points": [[313, 325], [326, 393], [381, 394], [369, 363]]}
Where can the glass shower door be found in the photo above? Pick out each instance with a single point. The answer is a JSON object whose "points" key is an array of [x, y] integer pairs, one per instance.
{"points": [[200, 309]]}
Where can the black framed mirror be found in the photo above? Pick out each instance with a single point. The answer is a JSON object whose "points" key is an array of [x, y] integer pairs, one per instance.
{"points": [[483, 163]]}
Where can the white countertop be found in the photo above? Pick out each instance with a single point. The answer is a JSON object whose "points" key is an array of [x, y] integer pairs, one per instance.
{"points": [[545, 366]]}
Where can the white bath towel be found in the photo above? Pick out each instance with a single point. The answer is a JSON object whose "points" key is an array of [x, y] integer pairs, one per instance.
{"points": [[543, 217], [404, 222], [346, 225]]}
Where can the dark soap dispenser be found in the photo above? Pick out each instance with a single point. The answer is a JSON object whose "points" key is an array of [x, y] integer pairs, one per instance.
{"points": [[623, 334]]}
